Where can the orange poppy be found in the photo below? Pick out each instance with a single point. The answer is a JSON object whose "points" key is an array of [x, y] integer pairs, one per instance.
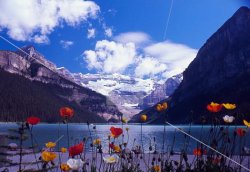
{"points": [[199, 152], [161, 107], [66, 112], [76, 149], [48, 156], [144, 118], [115, 132], [64, 167], [33, 120], [214, 107]]}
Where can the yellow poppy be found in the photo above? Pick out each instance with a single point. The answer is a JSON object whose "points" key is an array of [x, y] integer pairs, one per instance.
{"points": [[159, 107], [157, 168], [229, 106], [97, 141], [63, 150], [48, 156], [117, 148], [164, 105], [144, 118], [246, 123], [64, 167], [124, 120], [50, 145]]}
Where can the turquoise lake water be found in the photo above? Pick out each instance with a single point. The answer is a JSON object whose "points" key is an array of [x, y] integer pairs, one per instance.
{"points": [[174, 140]]}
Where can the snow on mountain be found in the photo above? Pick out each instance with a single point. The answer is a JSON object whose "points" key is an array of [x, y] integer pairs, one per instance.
{"points": [[129, 94], [162, 91], [125, 91]]}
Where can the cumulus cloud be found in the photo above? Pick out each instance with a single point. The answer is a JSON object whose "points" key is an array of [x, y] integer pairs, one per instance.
{"points": [[34, 20], [176, 56], [66, 44], [149, 66], [91, 33], [127, 53], [136, 37], [110, 56]]}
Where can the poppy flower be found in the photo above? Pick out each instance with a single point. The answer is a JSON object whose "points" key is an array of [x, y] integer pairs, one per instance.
{"points": [[116, 148], [75, 164], [64, 167], [228, 119], [110, 159], [48, 156], [111, 145], [33, 120], [165, 105], [246, 123], [214, 107], [115, 132], [124, 120], [157, 168], [158, 107], [161, 107], [66, 112], [199, 152], [144, 118], [76, 149], [50, 145], [97, 142], [241, 132], [229, 106], [63, 150]]}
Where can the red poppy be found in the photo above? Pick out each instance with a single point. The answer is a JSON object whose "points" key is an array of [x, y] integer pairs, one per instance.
{"points": [[111, 145], [115, 132], [33, 120], [199, 152], [76, 149], [214, 107], [66, 112], [241, 132]]}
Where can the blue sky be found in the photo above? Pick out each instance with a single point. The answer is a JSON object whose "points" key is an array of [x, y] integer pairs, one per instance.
{"points": [[191, 23]]}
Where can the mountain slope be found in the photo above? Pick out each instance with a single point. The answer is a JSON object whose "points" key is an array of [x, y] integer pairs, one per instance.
{"points": [[32, 86], [125, 91], [220, 72], [162, 91]]}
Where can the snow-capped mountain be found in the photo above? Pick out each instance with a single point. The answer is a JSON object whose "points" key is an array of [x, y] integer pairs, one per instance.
{"points": [[129, 94], [125, 91]]}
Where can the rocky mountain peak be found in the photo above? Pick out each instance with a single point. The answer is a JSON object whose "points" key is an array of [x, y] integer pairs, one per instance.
{"points": [[220, 73]]}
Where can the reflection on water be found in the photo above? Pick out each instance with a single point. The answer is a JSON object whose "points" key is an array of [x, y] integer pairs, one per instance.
{"points": [[173, 139]]}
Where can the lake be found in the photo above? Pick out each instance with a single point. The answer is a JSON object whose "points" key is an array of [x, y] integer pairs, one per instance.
{"points": [[174, 140]]}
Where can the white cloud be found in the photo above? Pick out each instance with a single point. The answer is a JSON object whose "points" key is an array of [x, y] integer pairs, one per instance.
{"points": [[110, 56], [91, 33], [136, 37], [108, 32], [34, 20], [149, 66], [66, 44], [129, 54], [176, 56]]}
